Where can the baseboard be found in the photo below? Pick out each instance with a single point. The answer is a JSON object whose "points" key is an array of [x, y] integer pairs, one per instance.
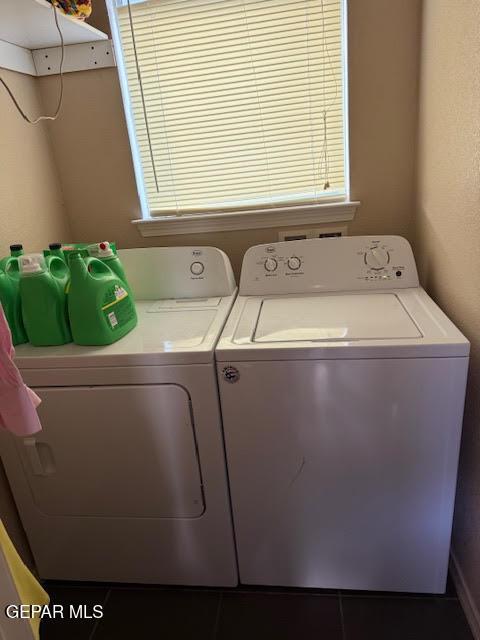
{"points": [[466, 600]]}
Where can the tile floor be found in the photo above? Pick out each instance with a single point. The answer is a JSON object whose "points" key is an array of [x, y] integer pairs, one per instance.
{"points": [[246, 613]]}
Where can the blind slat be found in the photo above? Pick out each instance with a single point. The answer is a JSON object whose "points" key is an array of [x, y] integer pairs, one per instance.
{"points": [[237, 119], [277, 146]]}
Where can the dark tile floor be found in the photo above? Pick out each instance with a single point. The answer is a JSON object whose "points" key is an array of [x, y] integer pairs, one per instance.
{"points": [[247, 613]]}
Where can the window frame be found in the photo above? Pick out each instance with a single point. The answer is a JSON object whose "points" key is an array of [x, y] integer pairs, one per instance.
{"points": [[328, 210]]}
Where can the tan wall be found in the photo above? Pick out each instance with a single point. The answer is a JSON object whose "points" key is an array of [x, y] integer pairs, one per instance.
{"points": [[31, 210], [31, 201], [447, 224], [92, 150]]}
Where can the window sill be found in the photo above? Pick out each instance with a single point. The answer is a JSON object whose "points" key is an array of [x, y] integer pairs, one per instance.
{"points": [[256, 219]]}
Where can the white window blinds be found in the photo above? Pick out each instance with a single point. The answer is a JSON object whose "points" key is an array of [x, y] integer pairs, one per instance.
{"points": [[236, 104]]}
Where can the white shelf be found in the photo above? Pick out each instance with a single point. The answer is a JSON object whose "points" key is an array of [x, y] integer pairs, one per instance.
{"points": [[31, 24]]}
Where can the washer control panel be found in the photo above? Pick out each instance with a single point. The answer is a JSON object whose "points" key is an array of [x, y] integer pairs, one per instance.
{"points": [[329, 264], [383, 261]]}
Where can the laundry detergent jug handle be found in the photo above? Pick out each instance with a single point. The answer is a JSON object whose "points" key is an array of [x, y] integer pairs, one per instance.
{"points": [[57, 267], [11, 267], [97, 268]]}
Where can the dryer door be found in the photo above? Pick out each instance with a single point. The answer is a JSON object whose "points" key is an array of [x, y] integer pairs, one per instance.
{"points": [[119, 451]]}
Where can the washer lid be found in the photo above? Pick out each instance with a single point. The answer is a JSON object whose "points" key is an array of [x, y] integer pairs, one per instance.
{"points": [[336, 317]]}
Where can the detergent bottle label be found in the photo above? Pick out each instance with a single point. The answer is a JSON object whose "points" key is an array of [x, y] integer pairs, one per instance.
{"points": [[117, 307]]}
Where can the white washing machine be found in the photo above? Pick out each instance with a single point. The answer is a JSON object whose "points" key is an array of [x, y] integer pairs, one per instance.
{"points": [[127, 481], [342, 389]]}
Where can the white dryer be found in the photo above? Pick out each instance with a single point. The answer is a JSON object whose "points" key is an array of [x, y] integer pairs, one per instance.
{"points": [[127, 481], [342, 389]]}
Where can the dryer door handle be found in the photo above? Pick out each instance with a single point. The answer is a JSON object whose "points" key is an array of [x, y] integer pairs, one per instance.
{"points": [[34, 457]]}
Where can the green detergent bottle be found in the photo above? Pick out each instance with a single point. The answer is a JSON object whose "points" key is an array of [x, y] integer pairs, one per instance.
{"points": [[44, 301], [16, 250], [55, 249], [10, 293], [61, 272], [67, 248], [107, 253], [100, 307]]}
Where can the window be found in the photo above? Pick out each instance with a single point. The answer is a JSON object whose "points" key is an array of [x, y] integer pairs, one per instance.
{"points": [[234, 105]]}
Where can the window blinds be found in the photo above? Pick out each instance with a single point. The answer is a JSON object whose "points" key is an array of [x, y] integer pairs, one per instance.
{"points": [[236, 104]]}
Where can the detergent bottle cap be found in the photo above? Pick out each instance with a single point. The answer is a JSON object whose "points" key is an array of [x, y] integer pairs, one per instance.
{"points": [[101, 250], [16, 249], [54, 246], [32, 263]]}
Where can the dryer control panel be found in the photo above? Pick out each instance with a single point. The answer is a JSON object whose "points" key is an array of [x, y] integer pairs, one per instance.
{"points": [[351, 263], [178, 272]]}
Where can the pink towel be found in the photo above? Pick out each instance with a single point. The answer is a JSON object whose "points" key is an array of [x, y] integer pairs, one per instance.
{"points": [[18, 403]]}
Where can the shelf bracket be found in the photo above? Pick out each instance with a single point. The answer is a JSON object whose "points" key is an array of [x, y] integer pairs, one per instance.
{"points": [[78, 57], [46, 62]]}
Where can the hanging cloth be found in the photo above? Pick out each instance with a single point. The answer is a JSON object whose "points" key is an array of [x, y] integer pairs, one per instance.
{"points": [[18, 403], [28, 589]]}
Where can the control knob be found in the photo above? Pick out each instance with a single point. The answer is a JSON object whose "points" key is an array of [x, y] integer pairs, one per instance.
{"points": [[270, 264], [377, 258], [294, 263], [197, 268]]}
